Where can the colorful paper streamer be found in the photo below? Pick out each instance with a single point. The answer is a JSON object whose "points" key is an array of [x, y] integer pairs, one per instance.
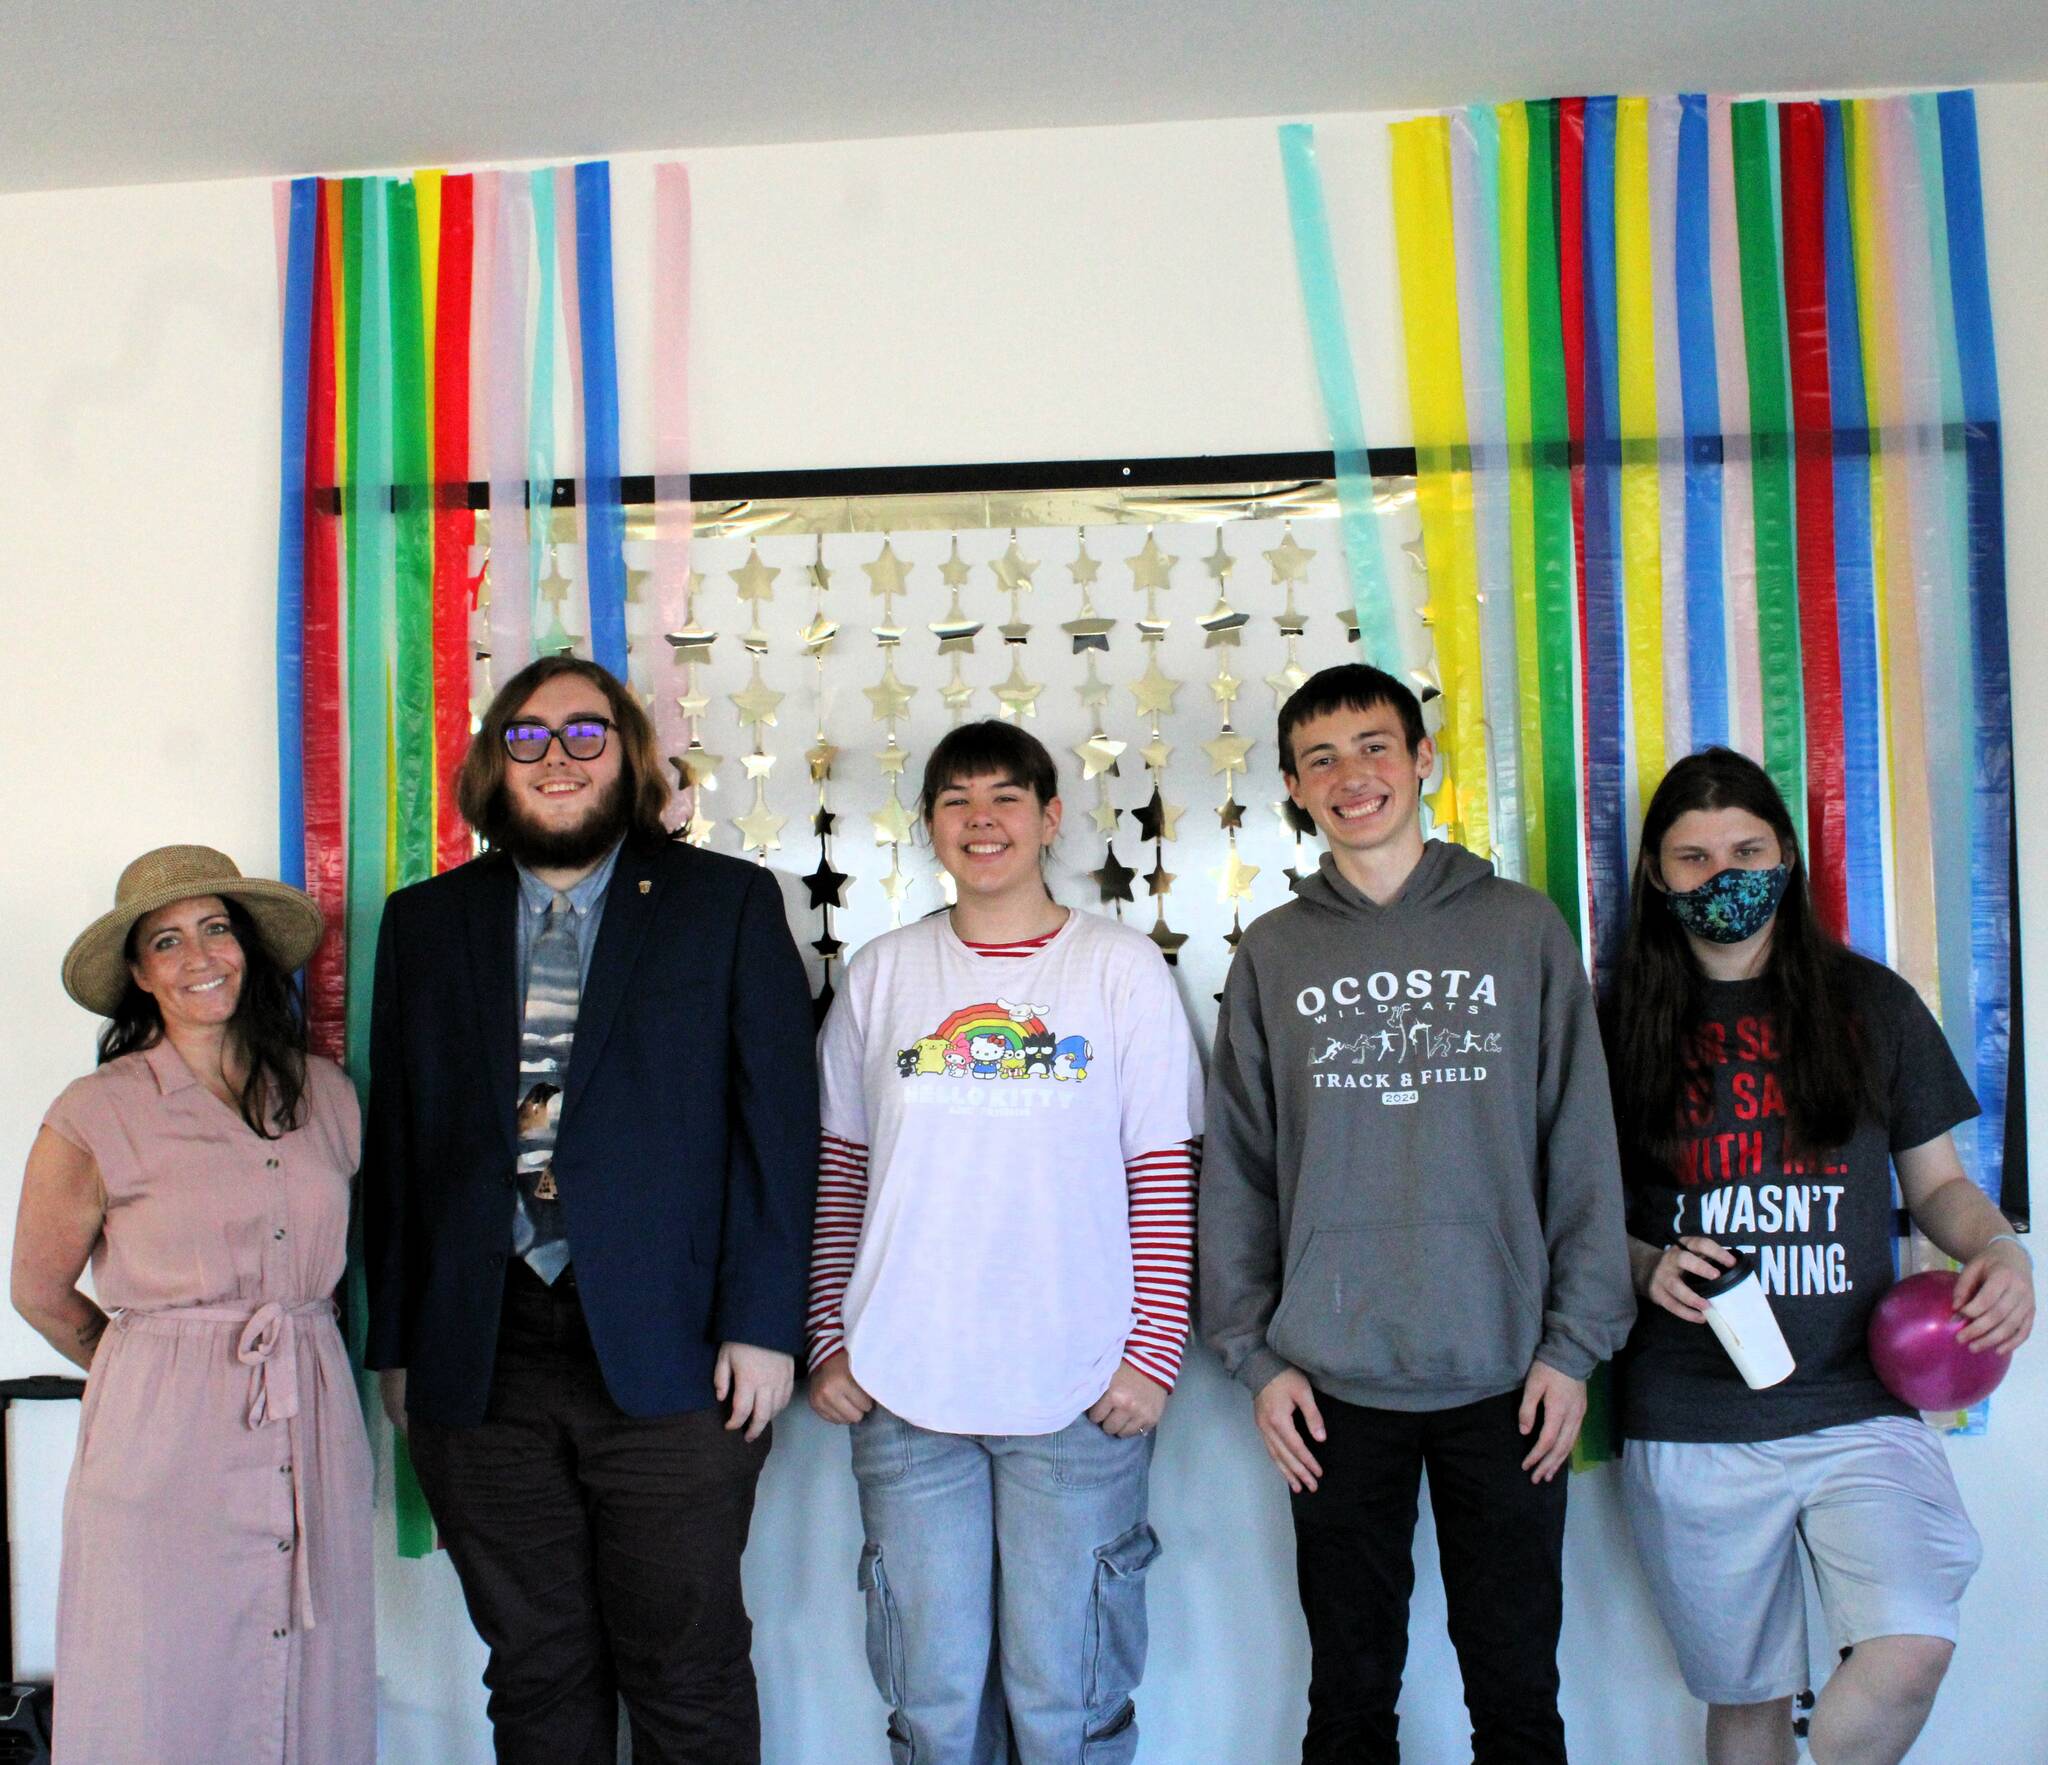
{"points": [[1752, 478], [399, 296]]}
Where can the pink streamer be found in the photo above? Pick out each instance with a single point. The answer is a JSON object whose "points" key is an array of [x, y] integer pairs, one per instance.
{"points": [[1919, 385], [1738, 516], [483, 234], [1670, 420], [572, 330], [281, 237], [511, 581], [674, 518]]}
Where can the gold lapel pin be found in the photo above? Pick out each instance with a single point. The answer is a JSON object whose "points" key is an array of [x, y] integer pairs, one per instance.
{"points": [[645, 885]]}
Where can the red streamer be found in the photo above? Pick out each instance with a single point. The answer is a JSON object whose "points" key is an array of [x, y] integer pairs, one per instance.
{"points": [[454, 524], [326, 866], [1802, 154]]}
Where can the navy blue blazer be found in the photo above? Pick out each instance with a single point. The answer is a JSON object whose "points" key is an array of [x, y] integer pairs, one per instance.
{"points": [[687, 1148]]}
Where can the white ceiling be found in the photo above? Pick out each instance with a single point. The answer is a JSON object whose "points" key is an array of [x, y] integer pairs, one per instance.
{"points": [[145, 91]]}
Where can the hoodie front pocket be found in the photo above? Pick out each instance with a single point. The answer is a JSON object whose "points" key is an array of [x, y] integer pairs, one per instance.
{"points": [[1411, 1306]]}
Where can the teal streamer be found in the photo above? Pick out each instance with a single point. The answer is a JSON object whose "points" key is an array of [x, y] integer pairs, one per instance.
{"points": [[547, 629], [372, 590], [1316, 264]]}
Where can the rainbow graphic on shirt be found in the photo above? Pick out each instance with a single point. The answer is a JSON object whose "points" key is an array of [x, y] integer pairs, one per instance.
{"points": [[996, 1039]]}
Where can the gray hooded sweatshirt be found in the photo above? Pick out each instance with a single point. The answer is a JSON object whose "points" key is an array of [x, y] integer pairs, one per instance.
{"points": [[1410, 1188]]}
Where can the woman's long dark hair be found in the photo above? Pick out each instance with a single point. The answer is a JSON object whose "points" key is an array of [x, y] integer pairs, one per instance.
{"points": [[268, 1026], [1658, 996]]}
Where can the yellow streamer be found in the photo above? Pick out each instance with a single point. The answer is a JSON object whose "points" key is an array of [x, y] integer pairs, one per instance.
{"points": [[426, 187], [1642, 552], [1891, 545], [427, 198], [338, 287], [1443, 459], [1514, 308]]}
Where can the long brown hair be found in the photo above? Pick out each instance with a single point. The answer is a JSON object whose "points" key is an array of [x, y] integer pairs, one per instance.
{"points": [[1658, 995], [480, 780], [268, 1027]]}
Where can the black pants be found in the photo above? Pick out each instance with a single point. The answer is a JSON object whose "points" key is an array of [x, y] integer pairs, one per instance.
{"points": [[599, 1553], [1501, 1540]]}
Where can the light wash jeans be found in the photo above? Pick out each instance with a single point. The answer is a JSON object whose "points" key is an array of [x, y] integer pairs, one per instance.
{"points": [[1005, 1584]]}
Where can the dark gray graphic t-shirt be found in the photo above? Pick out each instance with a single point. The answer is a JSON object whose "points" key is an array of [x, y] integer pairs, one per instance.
{"points": [[1819, 1227]]}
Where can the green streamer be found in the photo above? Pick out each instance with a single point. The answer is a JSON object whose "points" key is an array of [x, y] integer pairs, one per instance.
{"points": [[412, 505], [1551, 496], [1557, 615], [1512, 212], [415, 1518], [1777, 571]]}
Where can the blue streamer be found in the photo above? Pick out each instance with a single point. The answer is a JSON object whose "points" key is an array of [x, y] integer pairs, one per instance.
{"points": [[1706, 639], [604, 531], [1991, 825], [1316, 264], [1855, 577], [291, 534], [1606, 665], [540, 404], [1945, 638]]}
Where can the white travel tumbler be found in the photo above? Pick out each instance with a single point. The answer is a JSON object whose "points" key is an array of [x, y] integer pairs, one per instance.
{"points": [[1740, 1315]]}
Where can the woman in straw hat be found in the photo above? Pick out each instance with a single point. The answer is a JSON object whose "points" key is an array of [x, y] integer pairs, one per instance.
{"points": [[215, 1595]]}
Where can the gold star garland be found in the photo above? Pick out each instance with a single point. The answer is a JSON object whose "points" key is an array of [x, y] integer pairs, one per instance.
{"points": [[1099, 754], [1017, 696], [889, 701], [555, 589], [956, 618], [1153, 693], [760, 829], [696, 770], [1289, 563], [483, 672], [1224, 623], [956, 634], [827, 886]]}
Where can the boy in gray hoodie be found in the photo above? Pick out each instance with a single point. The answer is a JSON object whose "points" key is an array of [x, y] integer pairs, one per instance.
{"points": [[1412, 1245]]}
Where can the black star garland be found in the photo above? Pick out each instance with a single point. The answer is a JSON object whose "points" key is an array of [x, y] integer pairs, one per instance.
{"points": [[825, 883], [827, 886]]}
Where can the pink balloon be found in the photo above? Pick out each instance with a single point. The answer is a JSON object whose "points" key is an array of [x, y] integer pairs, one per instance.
{"points": [[1913, 1346]]}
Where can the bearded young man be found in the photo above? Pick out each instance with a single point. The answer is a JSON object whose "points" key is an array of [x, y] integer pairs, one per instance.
{"points": [[588, 1177]]}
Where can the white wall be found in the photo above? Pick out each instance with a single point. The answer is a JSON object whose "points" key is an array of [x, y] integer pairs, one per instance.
{"points": [[1089, 293]]}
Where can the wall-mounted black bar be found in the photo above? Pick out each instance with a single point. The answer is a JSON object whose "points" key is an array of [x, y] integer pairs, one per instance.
{"points": [[995, 476]]}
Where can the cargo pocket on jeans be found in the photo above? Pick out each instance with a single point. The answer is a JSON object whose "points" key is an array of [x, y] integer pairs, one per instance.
{"points": [[885, 1647], [1117, 1632]]}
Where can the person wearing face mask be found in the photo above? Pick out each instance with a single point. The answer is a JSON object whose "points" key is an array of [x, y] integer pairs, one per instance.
{"points": [[215, 1595], [1000, 1275], [1767, 1083]]}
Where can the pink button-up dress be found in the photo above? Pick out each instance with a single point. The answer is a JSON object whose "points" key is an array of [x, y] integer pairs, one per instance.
{"points": [[215, 1597]]}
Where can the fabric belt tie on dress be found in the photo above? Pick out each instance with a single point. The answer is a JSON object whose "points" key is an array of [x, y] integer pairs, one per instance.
{"points": [[269, 1345]]}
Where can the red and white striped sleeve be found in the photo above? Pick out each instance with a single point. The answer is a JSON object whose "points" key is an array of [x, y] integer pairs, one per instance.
{"points": [[835, 1240], [1162, 1195]]}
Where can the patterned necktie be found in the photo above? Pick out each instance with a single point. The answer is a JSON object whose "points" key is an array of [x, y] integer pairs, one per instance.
{"points": [[554, 979]]}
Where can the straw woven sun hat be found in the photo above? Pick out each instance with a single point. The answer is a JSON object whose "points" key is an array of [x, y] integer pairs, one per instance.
{"points": [[96, 965]]}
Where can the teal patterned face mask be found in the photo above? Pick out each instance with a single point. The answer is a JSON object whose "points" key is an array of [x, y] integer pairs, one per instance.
{"points": [[1733, 905]]}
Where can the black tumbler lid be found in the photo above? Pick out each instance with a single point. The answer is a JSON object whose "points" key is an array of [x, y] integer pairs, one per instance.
{"points": [[1737, 1272]]}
